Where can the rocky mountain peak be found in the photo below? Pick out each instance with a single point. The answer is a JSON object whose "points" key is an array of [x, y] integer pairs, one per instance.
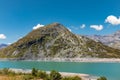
{"points": [[56, 24], [56, 41], [112, 40], [54, 27], [117, 33]]}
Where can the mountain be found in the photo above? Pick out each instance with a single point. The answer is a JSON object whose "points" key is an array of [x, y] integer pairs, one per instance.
{"points": [[3, 45], [56, 41], [112, 40]]}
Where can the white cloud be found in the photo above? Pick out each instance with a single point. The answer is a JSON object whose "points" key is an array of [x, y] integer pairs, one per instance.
{"points": [[69, 29], [20, 37], [2, 36], [112, 20], [37, 26], [9, 43], [82, 26], [97, 27]]}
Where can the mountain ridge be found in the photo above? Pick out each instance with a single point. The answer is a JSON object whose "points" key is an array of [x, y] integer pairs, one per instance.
{"points": [[2, 45], [54, 40], [111, 40]]}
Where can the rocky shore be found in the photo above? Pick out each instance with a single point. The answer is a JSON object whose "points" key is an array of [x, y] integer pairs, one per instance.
{"points": [[76, 59], [66, 59], [80, 59]]}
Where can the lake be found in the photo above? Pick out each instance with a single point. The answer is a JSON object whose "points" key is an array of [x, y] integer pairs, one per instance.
{"points": [[109, 70]]}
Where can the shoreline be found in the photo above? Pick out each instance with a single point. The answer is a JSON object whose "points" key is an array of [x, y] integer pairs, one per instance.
{"points": [[64, 74], [106, 60], [80, 60]]}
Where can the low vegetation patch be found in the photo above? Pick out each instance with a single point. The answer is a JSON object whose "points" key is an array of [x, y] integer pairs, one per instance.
{"points": [[7, 74], [102, 78]]}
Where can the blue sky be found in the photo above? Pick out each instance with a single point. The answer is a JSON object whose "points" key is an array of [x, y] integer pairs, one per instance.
{"points": [[86, 17]]}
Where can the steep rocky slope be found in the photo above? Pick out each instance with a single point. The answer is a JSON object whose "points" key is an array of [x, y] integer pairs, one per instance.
{"points": [[112, 40], [55, 41]]}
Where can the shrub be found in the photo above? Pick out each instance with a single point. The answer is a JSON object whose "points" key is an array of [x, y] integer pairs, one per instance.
{"points": [[67, 78], [42, 74], [34, 72], [47, 78], [27, 77], [54, 75], [19, 73], [102, 78], [5, 71], [11, 73]]}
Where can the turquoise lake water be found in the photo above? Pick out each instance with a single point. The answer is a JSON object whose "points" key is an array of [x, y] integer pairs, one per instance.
{"points": [[109, 70]]}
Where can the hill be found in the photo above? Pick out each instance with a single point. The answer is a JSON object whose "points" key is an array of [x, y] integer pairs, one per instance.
{"points": [[56, 41]]}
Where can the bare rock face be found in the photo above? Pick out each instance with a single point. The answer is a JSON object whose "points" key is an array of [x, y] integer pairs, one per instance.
{"points": [[56, 41], [112, 40]]}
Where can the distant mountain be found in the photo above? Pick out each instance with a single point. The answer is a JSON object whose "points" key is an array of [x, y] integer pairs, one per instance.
{"points": [[112, 40], [56, 41], [3, 45]]}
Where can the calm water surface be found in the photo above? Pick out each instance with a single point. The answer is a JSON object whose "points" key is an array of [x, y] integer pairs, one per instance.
{"points": [[109, 70]]}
